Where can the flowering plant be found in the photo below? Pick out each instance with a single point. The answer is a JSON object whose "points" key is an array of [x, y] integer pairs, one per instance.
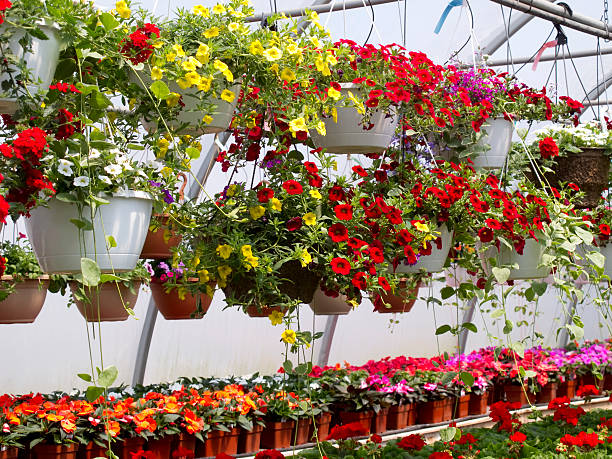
{"points": [[570, 139], [19, 262]]}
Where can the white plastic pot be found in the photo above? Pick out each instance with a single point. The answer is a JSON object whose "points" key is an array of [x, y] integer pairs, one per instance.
{"points": [[41, 62], [498, 135], [221, 116], [59, 245], [528, 262], [323, 305], [431, 263], [348, 134]]}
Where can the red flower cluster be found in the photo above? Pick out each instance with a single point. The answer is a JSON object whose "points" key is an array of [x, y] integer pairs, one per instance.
{"points": [[548, 148], [269, 454], [342, 432], [139, 48], [587, 390], [4, 5], [505, 420], [582, 440], [411, 442]]}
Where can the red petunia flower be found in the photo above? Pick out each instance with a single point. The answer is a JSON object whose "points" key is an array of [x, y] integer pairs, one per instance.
{"points": [[311, 167], [338, 232], [359, 280], [485, 235], [384, 283], [548, 148], [294, 223], [340, 266], [265, 194], [518, 437], [292, 187], [413, 441], [344, 211], [360, 171], [336, 193], [269, 454], [587, 391]]}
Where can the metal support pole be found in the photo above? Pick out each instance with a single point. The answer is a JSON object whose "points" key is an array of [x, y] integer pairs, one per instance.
{"points": [[597, 91], [326, 340], [495, 41], [547, 57], [576, 22], [468, 315], [142, 354]]}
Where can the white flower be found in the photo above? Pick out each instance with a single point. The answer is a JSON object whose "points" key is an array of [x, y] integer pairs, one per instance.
{"points": [[65, 170], [155, 165], [127, 167], [113, 169], [83, 180], [105, 179], [93, 154]]}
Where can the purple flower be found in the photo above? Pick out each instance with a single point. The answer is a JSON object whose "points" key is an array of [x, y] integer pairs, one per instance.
{"points": [[154, 183], [168, 199]]}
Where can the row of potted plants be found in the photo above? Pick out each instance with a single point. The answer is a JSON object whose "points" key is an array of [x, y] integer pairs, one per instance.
{"points": [[210, 415]]}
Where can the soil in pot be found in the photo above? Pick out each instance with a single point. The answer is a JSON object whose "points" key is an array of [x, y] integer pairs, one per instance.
{"points": [[478, 404], [402, 301], [249, 440], [25, 303], [567, 389], [172, 307], [46, 451], [362, 417], [430, 412], [106, 301], [277, 435], [300, 434], [322, 422]]}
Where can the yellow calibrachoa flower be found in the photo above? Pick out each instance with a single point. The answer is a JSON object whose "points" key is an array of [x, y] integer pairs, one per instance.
{"points": [[251, 262], [170, 57], [315, 194], [200, 10], [163, 145], [422, 227], [207, 119], [224, 251], [257, 212], [298, 124], [358, 104], [233, 26], [229, 76], [122, 9], [273, 54], [320, 127], [256, 48], [289, 336], [224, 271], [331, 59], [191, 64], [212, 32], [203, 53], [315, 42], [204, 276], [293, 48], [220, 65], [288, 75], [193, 78], [310, 219], [218, 9], [322, 67], [173, 99], [247, 250], [205, 83], [276, 204], [334, 114], [178, 50], [183, 83], [231, 190], [333, 93], [228, 96], [156, 73], [276, 317], [305, 258]]}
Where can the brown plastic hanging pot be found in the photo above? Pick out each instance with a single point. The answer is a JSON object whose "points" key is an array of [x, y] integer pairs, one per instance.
{"points": [[173, 307], [402, 301], [25, 303], [106, 301]]}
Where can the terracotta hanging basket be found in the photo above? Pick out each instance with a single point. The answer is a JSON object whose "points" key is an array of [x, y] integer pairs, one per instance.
{"points": [[111, 297], [157, 246], [262, 311], [24, 304], [173, 307], [401, 302], [589, 170]]}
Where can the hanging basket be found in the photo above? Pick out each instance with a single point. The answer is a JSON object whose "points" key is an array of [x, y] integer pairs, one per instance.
{"points": [[41, 63], [349, 135], [324, 305], [24, 304], [434, 262], [190, 115], [107, 301], [172, 307], [262, 311], [528, 262], [401, 302], [589, 170], [59, 245], [299, 283], [498, 135]]}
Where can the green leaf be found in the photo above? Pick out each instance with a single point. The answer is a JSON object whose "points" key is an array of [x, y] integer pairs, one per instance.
{"points": [[470, 326], [597, 259], [519, 348], [84, 377], [108, 21], [443, 329], [108, 376], [288, 366], [99, 101], [530, 374], [110, 242], [86, 89], [109, 278], [82, 224], [66, 197], [529, 294], [467, 378], [508, 327], [501, 274], [192, 152], [497, 313], [91, 272], [539, 287], [159, 89], [93, 392], [585, 235], [447, 434], [447, 292]]}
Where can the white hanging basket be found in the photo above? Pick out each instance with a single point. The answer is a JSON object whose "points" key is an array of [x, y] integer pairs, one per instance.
{"points": [[529, 262], [41, 63], [348, 134], [59, 245], [190, 115], [498, 135], [431, 263], [323, 305]]}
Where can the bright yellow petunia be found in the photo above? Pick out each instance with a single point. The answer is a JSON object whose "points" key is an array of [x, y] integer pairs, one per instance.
{"points": [[204, 276], [183, 83], [333, 93], [251, 262], [170, 57], [200, 10], [320, 127], [315, 194], [207, 119], [231, 190], [193, 78], [288, 75], [257, 212], [233, 26], [205, 83], [178, 49], [293, 48], [305, 258], [173, 99], [218, 9], [227, 96], [276, 317], [256, 48], [276, 204], [224, 271], [211, 33], [156, 73], [224, 251], [122, 9], [220, 65], [203, 53], [298, 124], [289, 336], [229, 76], [247, 250], [331, 59], [310, 219], [273, 54]]}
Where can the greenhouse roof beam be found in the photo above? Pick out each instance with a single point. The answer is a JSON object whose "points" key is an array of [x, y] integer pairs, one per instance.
{"points": [[559, 15], [502, 36], [323, 8], [548, 57]]}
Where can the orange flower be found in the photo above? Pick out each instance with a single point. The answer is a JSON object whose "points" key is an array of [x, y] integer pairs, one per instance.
{"points": [[193, 424], [68, 424], [113, 428]]}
